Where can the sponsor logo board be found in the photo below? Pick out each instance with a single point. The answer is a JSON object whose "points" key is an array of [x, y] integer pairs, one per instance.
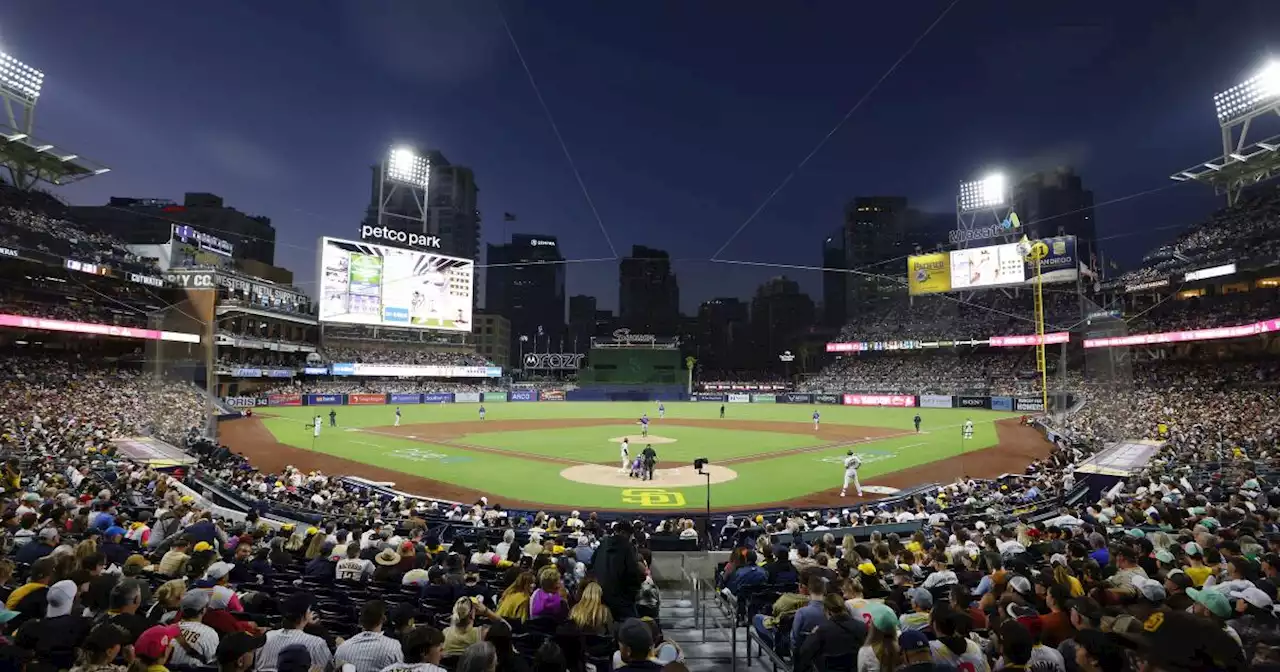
{"points": [[935, 401], [284, 400], [764, 398], [1028, 404], [1002, 403], [466, 397], [344, 369], [896, 400], [324, 399], [406, 398], [827, 399], [437, 398], [929, 273], [551, 395], [739, 398], [973, 402], [794, 398], [494, 397], [522, 395], [366, 399], [706, 396], [240, 402]]}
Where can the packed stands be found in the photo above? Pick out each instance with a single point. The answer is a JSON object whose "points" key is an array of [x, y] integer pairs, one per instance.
{"points": [[928, 372], [391, 354], [32, 219]]}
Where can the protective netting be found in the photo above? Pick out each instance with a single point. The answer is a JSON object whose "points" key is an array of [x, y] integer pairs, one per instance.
{"points": [[177, 378]]}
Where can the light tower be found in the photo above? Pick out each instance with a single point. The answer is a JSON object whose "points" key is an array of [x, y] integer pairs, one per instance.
{"points": [[1243, 163], [984, 211], [404, 178], [28, 159]]}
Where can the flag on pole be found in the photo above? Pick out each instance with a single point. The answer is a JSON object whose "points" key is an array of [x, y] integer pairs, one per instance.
{"points": [[508, 217]]}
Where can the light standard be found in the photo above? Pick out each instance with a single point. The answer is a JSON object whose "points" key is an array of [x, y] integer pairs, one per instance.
{"points": [[523, 339]]}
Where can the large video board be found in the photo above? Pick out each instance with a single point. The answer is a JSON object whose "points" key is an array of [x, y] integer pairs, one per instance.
{"points": [[988, 266], [364, 283]]}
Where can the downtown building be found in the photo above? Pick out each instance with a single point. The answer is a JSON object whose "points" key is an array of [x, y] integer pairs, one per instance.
{"points": [[524, 282], [648, 294], [448, 208]]}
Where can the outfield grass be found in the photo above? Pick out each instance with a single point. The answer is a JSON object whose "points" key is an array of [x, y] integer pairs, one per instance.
{"points": [[768, 479]]}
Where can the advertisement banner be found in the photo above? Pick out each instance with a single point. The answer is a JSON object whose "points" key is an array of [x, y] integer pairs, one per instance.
{"points": [[1029, 339], [285, 400], [897, 400], [928, 273], [437, 398], [764, 398], [317, 400], [493, 397], [315, 371], [794, 398], [262, 401], [551, 395], [409, 371], [739, 398], [240, 402], [1035, 404], [1002, 403], [522, 395], [466, 397], [344, 369], [1060, 265], [709, 396], [827, 399], [366, 399], [406, 398], [1209, 334], [973, 402], [935, 401], [246, 373]]}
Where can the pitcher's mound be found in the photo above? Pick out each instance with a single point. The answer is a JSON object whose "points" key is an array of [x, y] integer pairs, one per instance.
{"points": [[680, 477], [637, 439]]}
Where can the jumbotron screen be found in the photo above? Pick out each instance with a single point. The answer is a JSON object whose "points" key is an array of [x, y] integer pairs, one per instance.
{"points": [[363, 283]]}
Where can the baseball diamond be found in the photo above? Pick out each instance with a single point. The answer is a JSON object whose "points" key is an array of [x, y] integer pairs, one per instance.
{"points": [[566, 454]]}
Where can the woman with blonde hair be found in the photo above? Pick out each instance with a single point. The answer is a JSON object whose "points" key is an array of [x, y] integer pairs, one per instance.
{"points": [[848, 552], [167, 597], [514, 602], [880, 652], [314, 548], [85, 549], [462, 631], [590, 614]]}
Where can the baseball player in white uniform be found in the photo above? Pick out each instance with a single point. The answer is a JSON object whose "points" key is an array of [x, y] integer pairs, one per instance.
{"points": [[851, 464], [317, 426], [626, 452], [968, 429]]}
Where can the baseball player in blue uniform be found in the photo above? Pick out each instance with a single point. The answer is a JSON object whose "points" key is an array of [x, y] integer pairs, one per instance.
{"points": [[482, 411], [817, 417], [644, 425], [662, 411]]}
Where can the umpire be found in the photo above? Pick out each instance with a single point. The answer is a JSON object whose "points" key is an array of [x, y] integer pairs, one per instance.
{"points": [[650, 459]]}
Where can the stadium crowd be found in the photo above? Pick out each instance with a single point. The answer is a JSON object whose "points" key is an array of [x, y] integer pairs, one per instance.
{"points": [[31, 219], [371, 354], [928, 372], [387, 386]]}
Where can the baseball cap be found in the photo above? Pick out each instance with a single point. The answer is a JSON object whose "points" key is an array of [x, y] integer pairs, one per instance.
{"points": [[1254, 596], [1020, 585], [1164, 556], [636, 636], [7, 615], [153, 643], [49, 534], [202, 546], [60, 597], [1213, 600], [113, 531], [218, 570], [1192, 548], [913, 640], [294, 658], [921, 598], [1173, 640], [194, 601], [105, 636], [1180, 579], [882, 617], [1151, 590], [236, 644]]}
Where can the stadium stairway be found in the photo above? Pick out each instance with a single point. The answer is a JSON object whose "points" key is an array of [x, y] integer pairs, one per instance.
{"points": [[696, 624]]}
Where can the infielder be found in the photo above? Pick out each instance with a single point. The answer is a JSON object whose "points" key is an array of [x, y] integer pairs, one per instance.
{"points": [[626, 452], [482, 411], [817, 417], [644, 425], [333, 418], [917, 421], [968, 429], [662, 411], [851, 464], [397, 416], [316, 426]]}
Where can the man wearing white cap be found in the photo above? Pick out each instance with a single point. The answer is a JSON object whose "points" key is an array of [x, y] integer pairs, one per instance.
{"points": [[200, 641]]}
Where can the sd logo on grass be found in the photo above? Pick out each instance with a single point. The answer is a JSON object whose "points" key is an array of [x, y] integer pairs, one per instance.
{"points": [[653, 497]]}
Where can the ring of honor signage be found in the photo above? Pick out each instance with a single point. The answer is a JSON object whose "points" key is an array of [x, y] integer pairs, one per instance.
{"points": [[553, 361]]}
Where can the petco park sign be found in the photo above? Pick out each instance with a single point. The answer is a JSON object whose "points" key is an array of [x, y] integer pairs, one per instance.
{"points": [[395, 236], [625, 336]]}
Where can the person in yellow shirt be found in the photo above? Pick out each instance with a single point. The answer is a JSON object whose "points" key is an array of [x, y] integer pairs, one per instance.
{"points": [[1197, 570]]}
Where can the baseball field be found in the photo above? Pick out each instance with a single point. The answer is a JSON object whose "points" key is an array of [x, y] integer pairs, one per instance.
{"points": [[567, 454]]}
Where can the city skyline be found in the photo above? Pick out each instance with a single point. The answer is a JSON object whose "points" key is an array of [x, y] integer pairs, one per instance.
{"points": [[249, 134]]}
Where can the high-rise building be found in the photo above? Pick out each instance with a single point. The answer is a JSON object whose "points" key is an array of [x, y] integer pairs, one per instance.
{"points": [[450, 210], [582, 321], [648, 294], [723, 337], [492, 337], [142, 221], [1054, 204], [835, 282], [779, 311], [523, 287]]}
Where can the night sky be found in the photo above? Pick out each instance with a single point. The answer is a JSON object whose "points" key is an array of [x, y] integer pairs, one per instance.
{"points": [[682, 115]]}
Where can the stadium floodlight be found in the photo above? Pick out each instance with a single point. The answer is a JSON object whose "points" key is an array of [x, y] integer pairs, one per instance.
{"points": [[19, 79], [407, 166], [987, 193], [1259, 91]]}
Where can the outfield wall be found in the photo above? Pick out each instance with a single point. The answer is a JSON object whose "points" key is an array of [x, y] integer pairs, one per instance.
{"points": [[1010, 404]]}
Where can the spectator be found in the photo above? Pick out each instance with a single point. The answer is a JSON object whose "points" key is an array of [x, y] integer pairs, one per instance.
{"points": [[370, 650]]}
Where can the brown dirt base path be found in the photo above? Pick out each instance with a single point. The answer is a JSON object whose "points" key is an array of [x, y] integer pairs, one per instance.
{"points": [[1017, 447]]}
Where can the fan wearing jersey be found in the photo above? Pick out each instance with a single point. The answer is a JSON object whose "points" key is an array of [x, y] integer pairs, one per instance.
{"points": [[851, 464], [951, 646]]}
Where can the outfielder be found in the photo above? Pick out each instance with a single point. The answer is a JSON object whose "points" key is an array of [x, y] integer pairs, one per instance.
{"points": [[816, 418], [968, 429], [626, 452], [397, 416], [851, 464]]}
